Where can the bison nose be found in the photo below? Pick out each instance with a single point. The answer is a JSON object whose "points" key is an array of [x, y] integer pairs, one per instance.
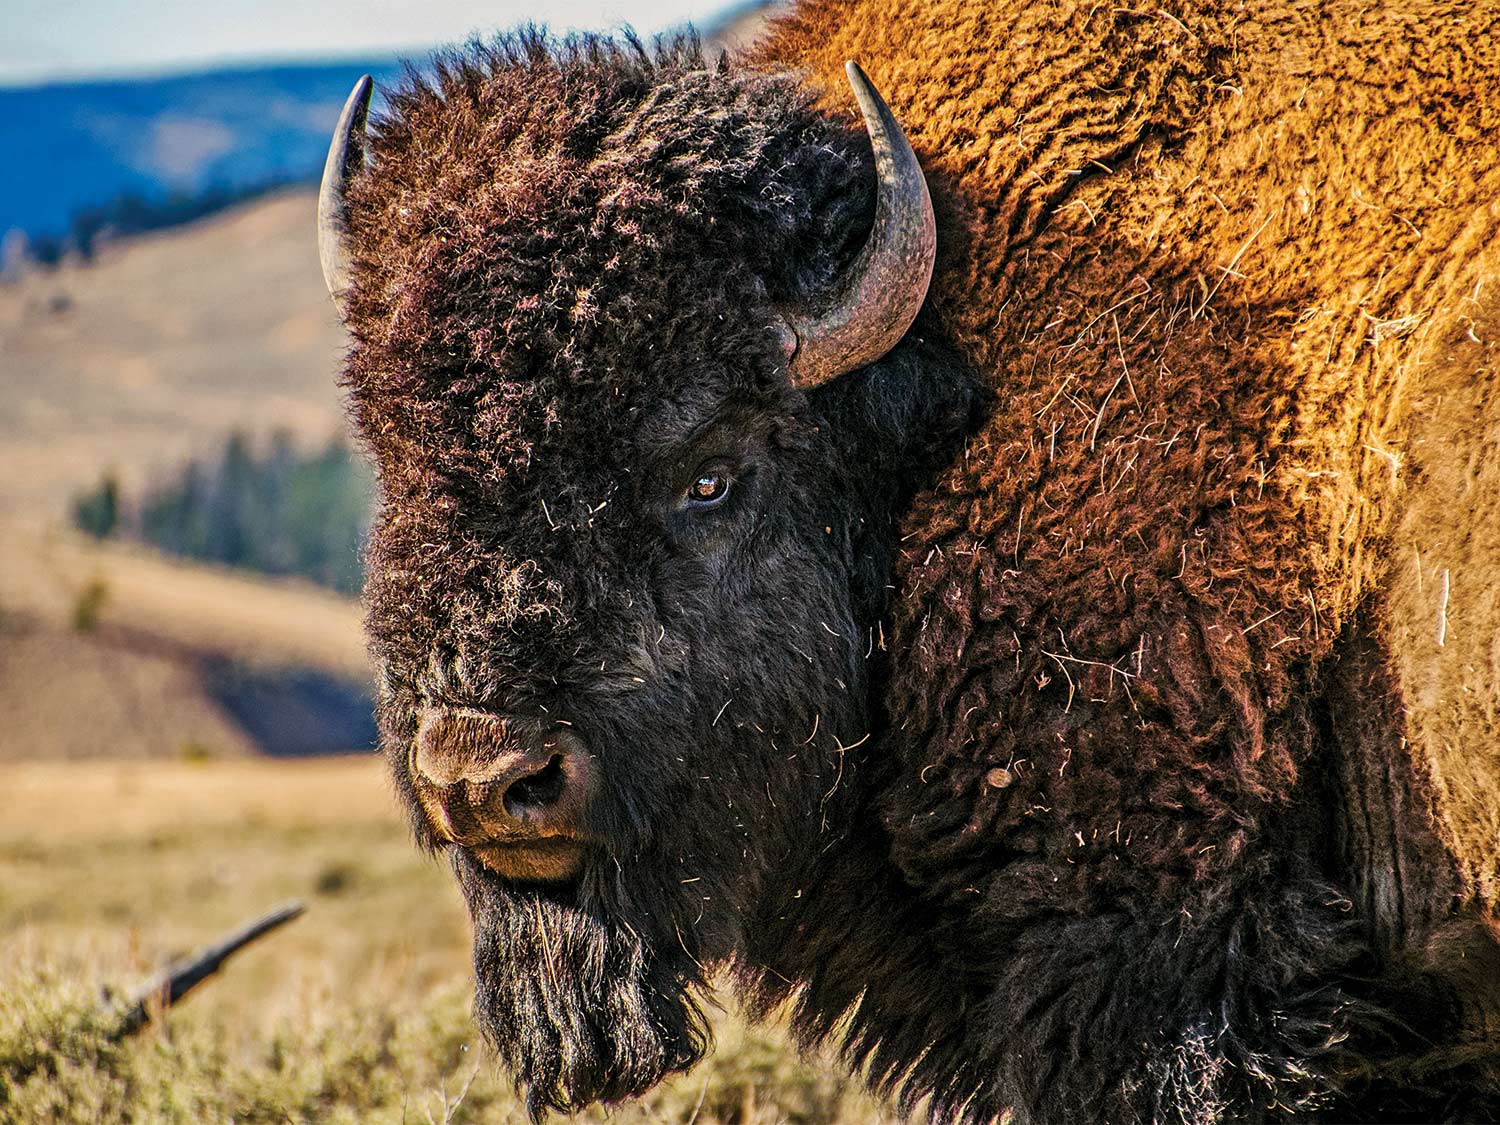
{"points": [[488, 780]]}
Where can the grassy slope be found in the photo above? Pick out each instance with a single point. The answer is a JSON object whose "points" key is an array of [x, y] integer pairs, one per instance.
{"points": [[160, 348], [135, 363], [356, 1012]]}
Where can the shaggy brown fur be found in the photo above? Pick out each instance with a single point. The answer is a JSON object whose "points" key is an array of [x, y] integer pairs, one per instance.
{"points": [[1294, 210], [1235, 273], [1140, 765]]}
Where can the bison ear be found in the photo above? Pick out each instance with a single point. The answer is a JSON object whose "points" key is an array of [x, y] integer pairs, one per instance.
{"points": [[346, 154], [870, 308]]}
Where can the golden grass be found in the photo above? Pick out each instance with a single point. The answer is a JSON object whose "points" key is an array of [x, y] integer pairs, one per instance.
{"points": [[358, 1011]]}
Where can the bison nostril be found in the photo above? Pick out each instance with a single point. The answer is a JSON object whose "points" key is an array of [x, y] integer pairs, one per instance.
{"points": [[482, 778], [538, 790]]}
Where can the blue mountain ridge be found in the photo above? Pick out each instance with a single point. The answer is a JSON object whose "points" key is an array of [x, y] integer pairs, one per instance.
{"points": [[76, 146]]}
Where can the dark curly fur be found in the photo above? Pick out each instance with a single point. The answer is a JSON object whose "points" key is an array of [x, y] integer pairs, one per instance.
{"points": [[962, 724]]}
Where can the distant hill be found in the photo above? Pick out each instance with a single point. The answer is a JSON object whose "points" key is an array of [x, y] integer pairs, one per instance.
{"points": [[163, 150], [739, 25], [75, 146], [154, 353]]}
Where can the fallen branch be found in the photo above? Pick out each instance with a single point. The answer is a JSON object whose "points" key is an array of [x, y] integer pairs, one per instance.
{"points": [[177, 980]]}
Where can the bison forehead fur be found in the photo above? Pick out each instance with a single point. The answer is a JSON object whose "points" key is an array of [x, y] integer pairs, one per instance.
{"points": [[1062, 710]]}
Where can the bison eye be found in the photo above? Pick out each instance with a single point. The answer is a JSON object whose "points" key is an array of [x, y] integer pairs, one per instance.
{"points": [[710, 489]]}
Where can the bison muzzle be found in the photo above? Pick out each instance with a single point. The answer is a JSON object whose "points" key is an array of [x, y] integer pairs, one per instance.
{"points": [[510, 790]]}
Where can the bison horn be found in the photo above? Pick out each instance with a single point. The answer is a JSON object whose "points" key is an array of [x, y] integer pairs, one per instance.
{"points": [[345, 153], [874, 303]]}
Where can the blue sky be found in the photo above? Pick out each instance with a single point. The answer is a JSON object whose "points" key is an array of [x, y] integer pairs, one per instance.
{"points": [[42, 39]]}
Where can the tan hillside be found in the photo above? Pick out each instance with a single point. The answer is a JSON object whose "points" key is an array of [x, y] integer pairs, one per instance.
{"points": [[161, 346], [148, 356], [182, 605]]}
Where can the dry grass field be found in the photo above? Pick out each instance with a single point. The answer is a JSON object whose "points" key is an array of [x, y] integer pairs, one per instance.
{"points": [[356, 1012]]}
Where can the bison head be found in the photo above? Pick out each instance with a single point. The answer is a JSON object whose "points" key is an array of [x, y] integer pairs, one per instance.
{"points": [[632, 354]]}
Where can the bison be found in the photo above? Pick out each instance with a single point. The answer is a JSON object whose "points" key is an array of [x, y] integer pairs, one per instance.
{"points": [[1036, 619]]}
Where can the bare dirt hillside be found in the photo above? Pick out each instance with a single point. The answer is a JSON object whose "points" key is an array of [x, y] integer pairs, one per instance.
{"points": [[162, 345], [110, 652]]}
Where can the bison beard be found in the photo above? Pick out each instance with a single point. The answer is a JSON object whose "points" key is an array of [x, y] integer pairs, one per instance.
{"points": [[588, 991], [579, 1005]]}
